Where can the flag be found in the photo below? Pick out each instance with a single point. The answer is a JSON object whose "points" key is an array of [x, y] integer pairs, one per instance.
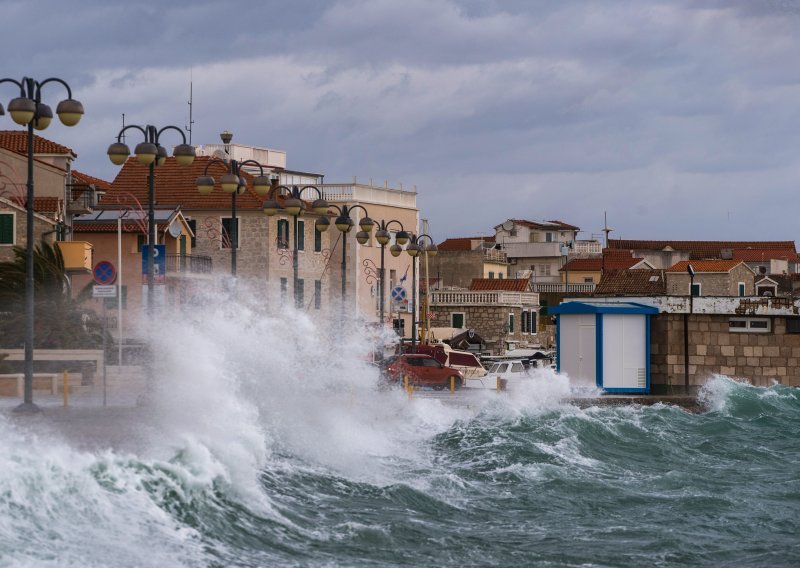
{"points": [[403, 279]]}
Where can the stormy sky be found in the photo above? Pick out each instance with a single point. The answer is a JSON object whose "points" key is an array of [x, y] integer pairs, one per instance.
{"points": [[679, 118]]}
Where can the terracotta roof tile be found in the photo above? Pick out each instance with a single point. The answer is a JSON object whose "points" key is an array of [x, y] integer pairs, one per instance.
{"points": [[705, 266], [44, 205], [758, 255], [17, 141], [176, 185], [506, 284], [632, 283], [462, 243], [700, 250], [80, 178]]}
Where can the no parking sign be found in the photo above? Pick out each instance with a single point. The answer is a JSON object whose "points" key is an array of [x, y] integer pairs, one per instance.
{"points": [[104, 272], [398, 293]]}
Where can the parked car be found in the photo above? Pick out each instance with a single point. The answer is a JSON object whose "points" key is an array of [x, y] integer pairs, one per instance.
{"points": [[511, 371], [422, 370]]}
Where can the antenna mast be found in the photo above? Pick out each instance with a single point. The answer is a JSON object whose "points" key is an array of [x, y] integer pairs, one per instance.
{"points": [[191, 122], [606, 230]]}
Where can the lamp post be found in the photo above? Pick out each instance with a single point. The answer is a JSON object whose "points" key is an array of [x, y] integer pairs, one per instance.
{"points": [[294, 206], [383, 237], [345, 223], [414, 248], [690, 271], [28, 110], [233, 183], [151, 153]]}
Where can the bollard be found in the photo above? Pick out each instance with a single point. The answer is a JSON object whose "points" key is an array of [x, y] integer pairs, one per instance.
{"points": [[409, 386], [66, 389], [501, 384], [452, 384]]}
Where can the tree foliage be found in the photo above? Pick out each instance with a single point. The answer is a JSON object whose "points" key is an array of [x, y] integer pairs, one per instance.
{"points": [[60, 321]]}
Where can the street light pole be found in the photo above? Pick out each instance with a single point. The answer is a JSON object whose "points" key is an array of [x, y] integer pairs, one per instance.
{"points": [[150, 153], [414, 248], [294, 206], [383, 237], [28, 110], [234, 183]]}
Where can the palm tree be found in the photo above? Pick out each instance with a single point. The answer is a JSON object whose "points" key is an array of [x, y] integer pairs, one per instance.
{"points": [[61, 322]]}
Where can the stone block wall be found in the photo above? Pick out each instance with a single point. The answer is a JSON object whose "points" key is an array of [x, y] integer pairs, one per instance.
{"points": [[760, 358]]}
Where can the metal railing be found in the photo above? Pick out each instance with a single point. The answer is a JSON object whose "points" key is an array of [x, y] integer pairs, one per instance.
{"points": [[82, 199], [192, 264], [586, 288], [475, 298]]}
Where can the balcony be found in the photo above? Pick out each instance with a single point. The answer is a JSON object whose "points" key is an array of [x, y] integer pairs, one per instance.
{"points": [[544, 288], [82, 199], [474, 298], [532, 250], [362, 193], [191, 264]]}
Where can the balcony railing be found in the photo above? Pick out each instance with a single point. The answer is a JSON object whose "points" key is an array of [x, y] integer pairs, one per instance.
{"points": [[542, 287], [82, 199], [475, 298], [192, 264]]}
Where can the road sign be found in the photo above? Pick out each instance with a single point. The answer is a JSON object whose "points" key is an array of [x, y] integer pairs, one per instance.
{"points": [[104, 272], [104, 291], [398, 293], [159, 263]]}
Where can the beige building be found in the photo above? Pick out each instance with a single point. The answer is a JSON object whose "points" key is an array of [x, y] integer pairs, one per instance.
{"points": [[541, 247], [460, 260], [712, 278]]}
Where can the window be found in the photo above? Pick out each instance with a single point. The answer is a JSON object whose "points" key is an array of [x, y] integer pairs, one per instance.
{"points": [[500, 275], [792, 325], [750, 325], [548, 237], [491, 275], [228, 226], [457, 319], [284, 288], [317, 294], [6, 228], [510, 323], [392, 278], [742, 289], [193, 226], [283, 234], [301, 235], [301, 292], [696, 290], [517, 368], [524, 321], [588, 279], [317, 241], [399, 326]]}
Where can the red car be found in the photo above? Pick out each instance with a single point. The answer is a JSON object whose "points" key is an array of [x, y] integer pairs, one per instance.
{"points": [[422, 370]]}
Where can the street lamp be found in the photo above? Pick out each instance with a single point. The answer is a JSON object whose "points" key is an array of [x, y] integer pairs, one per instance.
{"points": [[28, 110], [383, 237], [690, 272], [345, 223], [233, 183], [294, 206], [415, 247], [151, 153]]}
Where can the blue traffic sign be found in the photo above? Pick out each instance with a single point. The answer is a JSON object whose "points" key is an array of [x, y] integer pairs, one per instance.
{"points": [[159, 263], [104, 272], [398, 293]]}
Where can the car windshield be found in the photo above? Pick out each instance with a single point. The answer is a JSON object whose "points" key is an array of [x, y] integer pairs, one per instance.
{"points": [[517, 368], [430, 363], [493, 368]]}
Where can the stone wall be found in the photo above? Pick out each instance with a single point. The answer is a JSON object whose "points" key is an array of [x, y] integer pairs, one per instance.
{"points": [[457, 268], [760, 358], [713, 283]]}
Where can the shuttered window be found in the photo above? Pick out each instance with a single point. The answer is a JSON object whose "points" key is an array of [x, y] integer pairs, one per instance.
{"points": [[6, 229]]}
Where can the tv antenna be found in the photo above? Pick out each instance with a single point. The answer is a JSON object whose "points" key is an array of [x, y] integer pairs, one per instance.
{"points": [[191, 122]]}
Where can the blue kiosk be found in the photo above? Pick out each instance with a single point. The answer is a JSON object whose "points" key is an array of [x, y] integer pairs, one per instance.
{"points": [[607, 343]]}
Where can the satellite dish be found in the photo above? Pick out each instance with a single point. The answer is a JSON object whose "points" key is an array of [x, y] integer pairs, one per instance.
{"points": [[508, 225], [219, 154], [174, 230]]}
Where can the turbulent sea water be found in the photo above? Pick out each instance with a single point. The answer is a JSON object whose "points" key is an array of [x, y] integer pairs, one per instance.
{"points": [[285, 457]]}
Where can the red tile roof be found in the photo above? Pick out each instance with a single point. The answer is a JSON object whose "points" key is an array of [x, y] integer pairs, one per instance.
{"points": [[17, 141], [176, 185], [80, 178], [632, 283], [462, 243], [705, 265], [700, 250], [506, 284], [127, 227], [546, 225], [596, 264], [758, 255]]}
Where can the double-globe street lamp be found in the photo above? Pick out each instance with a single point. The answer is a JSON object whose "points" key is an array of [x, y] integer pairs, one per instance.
{"points": [[29, 110], [294, 205], [151, 153], [233, 183], [383, 236], [415, 247], [345, 224]]}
